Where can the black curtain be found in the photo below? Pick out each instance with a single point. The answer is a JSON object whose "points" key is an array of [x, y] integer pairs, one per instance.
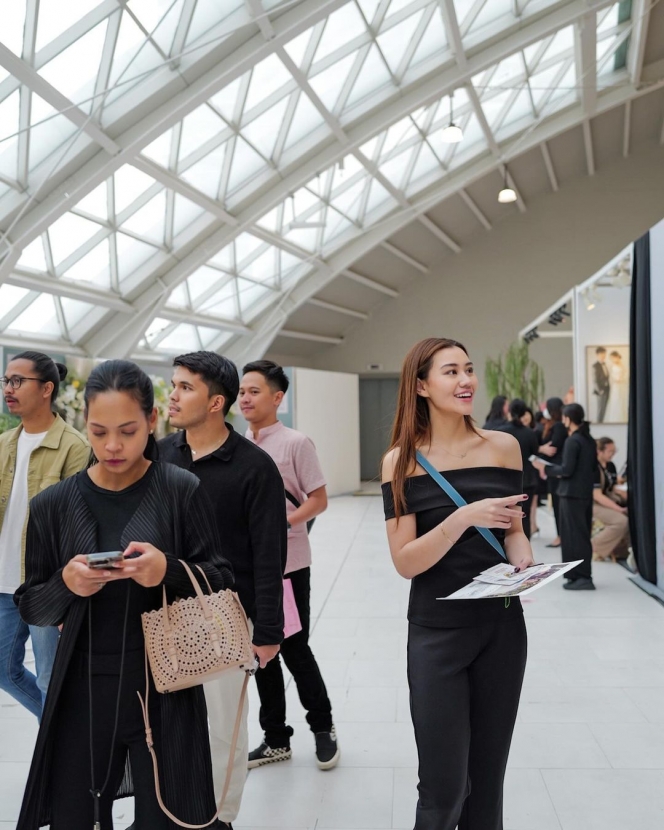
{"points": [[639, 440]]}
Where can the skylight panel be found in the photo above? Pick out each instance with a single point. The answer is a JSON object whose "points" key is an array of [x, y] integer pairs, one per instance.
{"points": [[562, 42], [226, 100], [48, 130], [160, 18], [270, 221], [155, 328], [74, 71], [306, 238], [250, 294], [521, 108], [264, 268], [159, 150], [426, 164], [32, 256], [329, 83], [11, 296], [223, 303], [205, 174], [179, 298], [373, 75], [395, 169], [185, 213], [369, 8], [395, 41], [56, 16], [134, 56], [201, 281], [212, 13], [148, 221], [377, 195], [75, 311], [297, 47], [208, 336], [39, 317], [462, 9], [131, 254], [245, 245], [95, 203], [305, 120], [129, 184], [262, 132], [183, 338], [246, 163], [491, 13], [433, 42], [608, 19], [341, 27], [266, 78], [199, 127], [224, 258], [68, 233], [93, 268], [9, 109]]}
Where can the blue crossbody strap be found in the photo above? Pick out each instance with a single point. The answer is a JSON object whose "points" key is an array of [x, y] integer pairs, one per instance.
{"points": [[458, 499]]}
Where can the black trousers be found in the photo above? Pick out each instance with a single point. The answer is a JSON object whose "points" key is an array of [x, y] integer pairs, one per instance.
{"points": [[465, 685], [576, 520], [301, 663], [71, 802]]}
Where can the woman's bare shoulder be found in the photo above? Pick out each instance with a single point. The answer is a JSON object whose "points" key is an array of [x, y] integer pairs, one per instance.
{"points": [[503, 447], [388, 464]]}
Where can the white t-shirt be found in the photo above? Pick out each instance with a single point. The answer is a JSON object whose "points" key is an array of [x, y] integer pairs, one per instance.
{"points": [[15, 514]]}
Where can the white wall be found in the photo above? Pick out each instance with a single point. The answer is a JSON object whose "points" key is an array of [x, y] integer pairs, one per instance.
{"points": [[607, 324], [327, 409], [506, 277], [657, 345]]}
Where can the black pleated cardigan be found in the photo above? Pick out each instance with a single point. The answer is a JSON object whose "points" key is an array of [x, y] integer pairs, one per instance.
{"points": [[175, 517]]}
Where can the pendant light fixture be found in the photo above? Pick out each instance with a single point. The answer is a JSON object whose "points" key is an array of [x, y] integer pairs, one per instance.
{"points": [[507, 194], [452, 134]]}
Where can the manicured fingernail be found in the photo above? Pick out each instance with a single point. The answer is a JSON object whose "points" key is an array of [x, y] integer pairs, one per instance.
{"points": [[516, 570]]}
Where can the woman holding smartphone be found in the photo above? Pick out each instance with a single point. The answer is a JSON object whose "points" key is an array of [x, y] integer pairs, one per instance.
{"points": [[91, 745], [466, 658]]}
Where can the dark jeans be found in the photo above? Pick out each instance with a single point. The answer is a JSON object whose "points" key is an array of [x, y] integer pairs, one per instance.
{"points": [[465, 685], [576, 521], [301, 663], [72, 805]]}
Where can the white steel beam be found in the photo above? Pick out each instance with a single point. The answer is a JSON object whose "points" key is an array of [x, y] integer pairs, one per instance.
{"points": [[339, 309], [63, 288], [257, 12], [474, 208], [15, 341], [404, 257], [548, 163], [637, 46], [627, 128], [368, 282], [339, 263], [585, 55], [196, 318], [588, 145], [314, 338], [440, 234]]}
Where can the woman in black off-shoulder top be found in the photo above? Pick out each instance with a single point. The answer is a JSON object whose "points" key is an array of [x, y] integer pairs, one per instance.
{"points": [[466, 658]]}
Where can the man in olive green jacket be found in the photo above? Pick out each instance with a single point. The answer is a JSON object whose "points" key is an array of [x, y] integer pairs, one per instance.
{"points": [[40, 452]]}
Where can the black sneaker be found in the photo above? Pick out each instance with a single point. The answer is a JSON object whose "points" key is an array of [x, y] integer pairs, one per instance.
{"points": [[580, 584], [327, 749], [265, 754]]}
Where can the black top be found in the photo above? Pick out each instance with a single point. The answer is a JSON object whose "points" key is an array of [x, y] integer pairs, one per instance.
{"points": [[246, 491], [112, 510], [578, 470], [495, 423], [470, 555], [174, 516], [529, 445], [606, 477]]}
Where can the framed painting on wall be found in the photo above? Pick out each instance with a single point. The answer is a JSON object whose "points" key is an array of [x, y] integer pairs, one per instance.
{"points": [[607, 374]]}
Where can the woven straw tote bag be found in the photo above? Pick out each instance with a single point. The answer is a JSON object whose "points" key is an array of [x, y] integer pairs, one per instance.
{"points": [[188, 643]]}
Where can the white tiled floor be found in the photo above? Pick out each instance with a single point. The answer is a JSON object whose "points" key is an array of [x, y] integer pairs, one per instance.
{"points": [[588, 752]]}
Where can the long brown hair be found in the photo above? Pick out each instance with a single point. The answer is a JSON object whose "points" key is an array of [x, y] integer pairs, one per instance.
{"points": [[412, 424]]}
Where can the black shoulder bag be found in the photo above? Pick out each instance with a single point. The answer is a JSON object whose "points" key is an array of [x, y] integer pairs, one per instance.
{"points": [[291, 498]]}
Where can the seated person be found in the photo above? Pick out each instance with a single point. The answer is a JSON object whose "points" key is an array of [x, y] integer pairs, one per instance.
{"points": [[609, 509]]}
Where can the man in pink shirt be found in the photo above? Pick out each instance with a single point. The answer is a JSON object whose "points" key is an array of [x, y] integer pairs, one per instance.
{"points": [[262, 390]]}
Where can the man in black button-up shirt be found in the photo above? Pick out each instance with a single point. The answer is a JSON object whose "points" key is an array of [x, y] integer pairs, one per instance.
{"points": [[247, 493]]}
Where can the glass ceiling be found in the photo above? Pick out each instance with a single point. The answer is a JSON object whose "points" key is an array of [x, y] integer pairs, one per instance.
{"points": [[213, 218]]}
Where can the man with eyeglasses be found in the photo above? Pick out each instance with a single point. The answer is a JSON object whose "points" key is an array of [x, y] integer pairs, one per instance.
{"points": [[41, 451]]}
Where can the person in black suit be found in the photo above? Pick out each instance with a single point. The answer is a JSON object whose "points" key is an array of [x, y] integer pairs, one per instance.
{"points": [[601, 383], [497, 417], [555, 435], [577, 475], [529, 445]]}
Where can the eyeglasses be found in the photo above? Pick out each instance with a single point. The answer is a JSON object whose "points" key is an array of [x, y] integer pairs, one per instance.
{"points": [[16, 380]]}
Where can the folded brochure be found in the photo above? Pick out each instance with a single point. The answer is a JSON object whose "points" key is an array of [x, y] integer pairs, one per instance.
{"points": [[504, 581]]}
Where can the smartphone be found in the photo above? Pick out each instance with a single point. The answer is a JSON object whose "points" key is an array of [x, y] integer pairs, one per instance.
{"points": [[104, 559]]}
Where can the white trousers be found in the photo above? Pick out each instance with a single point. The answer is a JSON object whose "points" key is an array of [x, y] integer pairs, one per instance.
{"points": [[222, 697]]}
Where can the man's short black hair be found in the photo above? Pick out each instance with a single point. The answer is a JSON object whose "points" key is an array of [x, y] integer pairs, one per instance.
{"points": [[600, 350], [218, 372], [275, 376]]}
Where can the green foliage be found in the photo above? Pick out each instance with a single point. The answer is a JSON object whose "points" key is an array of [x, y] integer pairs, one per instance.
{"points": [[515, 375], [8, 422]]}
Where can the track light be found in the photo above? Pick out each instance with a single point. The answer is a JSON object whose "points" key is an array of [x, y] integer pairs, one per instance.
{"points": [[531, 335], [590, 298], [452, 134], [507, 194]]}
